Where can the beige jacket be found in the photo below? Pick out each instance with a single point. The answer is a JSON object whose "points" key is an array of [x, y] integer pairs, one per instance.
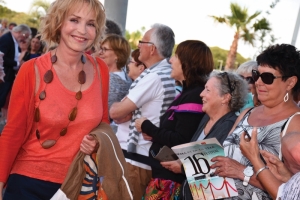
{"points": [[111, 166]]}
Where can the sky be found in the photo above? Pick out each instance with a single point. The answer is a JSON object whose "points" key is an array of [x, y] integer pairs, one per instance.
{"points": [[190, 19]]}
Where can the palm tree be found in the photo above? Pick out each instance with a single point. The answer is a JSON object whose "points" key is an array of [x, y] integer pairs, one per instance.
{"points": [[244, 29]]}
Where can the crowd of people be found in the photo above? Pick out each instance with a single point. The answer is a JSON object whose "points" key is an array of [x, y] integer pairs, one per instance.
{"points": [[85, 114]]}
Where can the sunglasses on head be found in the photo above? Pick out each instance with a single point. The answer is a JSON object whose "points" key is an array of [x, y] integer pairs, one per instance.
{"points": [[230, 86], [266, 77], [249, 79]]}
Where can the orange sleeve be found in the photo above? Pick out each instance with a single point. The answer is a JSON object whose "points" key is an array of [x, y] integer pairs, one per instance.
{"points": [[105, 87], [16, 130]]}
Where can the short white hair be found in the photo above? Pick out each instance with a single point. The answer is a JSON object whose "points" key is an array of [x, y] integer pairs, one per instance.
{"points": [[247, 67]]}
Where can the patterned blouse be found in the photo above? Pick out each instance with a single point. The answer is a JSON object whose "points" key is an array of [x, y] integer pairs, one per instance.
{"points": [[268, 139]]}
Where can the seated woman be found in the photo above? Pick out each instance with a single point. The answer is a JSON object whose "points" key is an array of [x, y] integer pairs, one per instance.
{"points": [[224, 94], [276, 79], [191, 65]]}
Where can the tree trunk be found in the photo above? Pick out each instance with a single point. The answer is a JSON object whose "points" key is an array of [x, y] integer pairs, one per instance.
{"points": [[232, 53]]}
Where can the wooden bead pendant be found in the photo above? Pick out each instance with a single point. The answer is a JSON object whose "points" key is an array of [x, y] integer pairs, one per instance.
{"points": [[48, 78]]}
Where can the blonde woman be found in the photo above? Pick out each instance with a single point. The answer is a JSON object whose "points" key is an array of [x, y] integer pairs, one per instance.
{"points": [[57, 102]]}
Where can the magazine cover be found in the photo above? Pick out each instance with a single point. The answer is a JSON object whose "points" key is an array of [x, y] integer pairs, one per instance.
{"points": [[196, 158]]}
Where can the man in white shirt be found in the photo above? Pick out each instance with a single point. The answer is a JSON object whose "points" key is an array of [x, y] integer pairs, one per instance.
{"points": [[149, 96]]}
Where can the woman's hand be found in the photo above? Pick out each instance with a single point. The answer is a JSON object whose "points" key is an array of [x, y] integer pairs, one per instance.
{"points": [[174, 166], [227, 167], [277, 167], [250, 148], [138, 123], [89, 145], [146, 137]]}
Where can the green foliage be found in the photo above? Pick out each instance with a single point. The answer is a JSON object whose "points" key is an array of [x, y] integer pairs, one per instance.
{"points": [[6, 12], [134, 37], [220, 56], [32, 19], [18, 17], [174, 49]]}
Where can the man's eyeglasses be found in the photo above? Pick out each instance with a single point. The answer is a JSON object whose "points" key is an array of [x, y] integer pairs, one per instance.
{"points": [[25, 35], [142, 42], [230, 86], [103, 49], [249, 79], [266, 77]]}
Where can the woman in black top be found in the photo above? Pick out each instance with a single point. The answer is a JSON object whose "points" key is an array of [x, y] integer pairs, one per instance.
{"points": [[191, 65]]}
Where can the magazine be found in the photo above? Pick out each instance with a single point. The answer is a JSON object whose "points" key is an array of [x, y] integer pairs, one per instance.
{"points": [[196, 159]]}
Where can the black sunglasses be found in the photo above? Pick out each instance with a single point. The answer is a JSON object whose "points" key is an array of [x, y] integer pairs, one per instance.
{"points": [[249, 79], [230, 86], [266, 77]]}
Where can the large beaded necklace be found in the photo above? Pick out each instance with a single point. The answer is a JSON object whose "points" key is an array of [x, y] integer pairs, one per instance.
{"points": [[48, 77]]}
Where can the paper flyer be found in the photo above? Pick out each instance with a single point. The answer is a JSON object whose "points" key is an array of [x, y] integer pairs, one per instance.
{"points": [[196, 158]]}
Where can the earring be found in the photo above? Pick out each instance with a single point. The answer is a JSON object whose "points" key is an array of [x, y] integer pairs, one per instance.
{"points": [[286, 97], [116, 61]]}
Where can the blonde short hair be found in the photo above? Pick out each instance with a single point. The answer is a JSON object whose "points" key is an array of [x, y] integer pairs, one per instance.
{"points": [[51, 24]]}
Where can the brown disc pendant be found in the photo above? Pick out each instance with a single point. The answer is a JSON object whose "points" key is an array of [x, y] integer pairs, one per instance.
{"points": [[63, 131], [78, 95], [42, 95], [48, 144], [73, 114], [81, 77], [37, 133], [53, 58], [48, 77], [37, 115]]}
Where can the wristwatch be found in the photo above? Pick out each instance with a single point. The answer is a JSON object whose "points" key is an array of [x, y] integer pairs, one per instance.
{"points": [[248, 172]]}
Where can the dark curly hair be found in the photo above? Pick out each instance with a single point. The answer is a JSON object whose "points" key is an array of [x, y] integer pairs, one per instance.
{"points": [[282, 57], [112, 28], [196, 60]]}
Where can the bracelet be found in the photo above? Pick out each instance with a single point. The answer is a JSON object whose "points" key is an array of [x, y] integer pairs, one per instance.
{"points": [[261, 169]]}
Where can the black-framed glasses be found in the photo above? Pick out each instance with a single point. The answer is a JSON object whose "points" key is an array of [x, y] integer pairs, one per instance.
{"points": [[230, 86], [266, 77], [249, 79], [104, 49], [142, 42]]}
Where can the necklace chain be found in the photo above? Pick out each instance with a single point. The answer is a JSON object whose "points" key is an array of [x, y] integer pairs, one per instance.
{"points": [[48, 77]]}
